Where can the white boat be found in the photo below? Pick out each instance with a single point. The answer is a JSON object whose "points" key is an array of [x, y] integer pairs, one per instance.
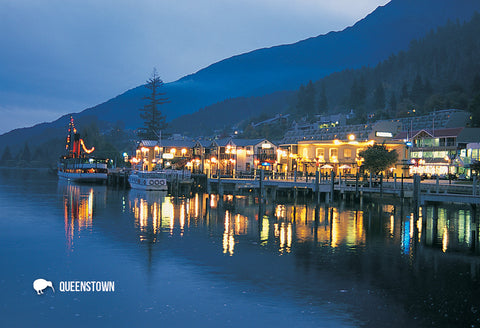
{"points": [[148, 180], [78, 165], [83, 170]]}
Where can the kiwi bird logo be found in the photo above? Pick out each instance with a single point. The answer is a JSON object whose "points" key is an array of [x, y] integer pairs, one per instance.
{"points": [[40, 284]]}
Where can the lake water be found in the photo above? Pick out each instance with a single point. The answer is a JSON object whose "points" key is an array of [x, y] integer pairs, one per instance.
{"points": [[203, 262]]}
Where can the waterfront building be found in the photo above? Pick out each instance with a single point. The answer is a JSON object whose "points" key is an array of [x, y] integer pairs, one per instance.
{"points": [[337, 149], [440, 119], [231, 156], [201, 156], [155, 154], [146, 156], [469, 150], [329, 129], [332, 131], [471, 155], [255, 153], [441, 151]]}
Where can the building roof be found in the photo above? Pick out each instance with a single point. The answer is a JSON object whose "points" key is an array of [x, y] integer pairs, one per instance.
{"points": [[203, 143], [149, 143], [437, 133], [469, 135], [247, 142], [177, 143], [221, 142], [440, 119]]}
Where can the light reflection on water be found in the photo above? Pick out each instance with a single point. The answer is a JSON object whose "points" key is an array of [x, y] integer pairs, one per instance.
{"points": [[283, 225], [78, 204], [381, 255]]}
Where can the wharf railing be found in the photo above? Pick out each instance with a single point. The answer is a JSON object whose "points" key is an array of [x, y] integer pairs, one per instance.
{"points": [[420, 191]]}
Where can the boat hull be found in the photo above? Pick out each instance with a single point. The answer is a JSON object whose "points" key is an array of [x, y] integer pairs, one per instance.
{"points": [[83, 177], [87, 170], [147, 183]]}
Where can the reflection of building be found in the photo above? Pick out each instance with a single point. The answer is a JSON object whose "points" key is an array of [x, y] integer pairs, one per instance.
{"points": [[156, 213]]}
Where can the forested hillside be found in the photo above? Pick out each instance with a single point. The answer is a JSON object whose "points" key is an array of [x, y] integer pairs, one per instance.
{"points": [[439, 71], [232, 112]]}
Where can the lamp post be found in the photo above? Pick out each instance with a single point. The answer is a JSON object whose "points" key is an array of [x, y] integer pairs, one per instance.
{"points": [[450, 157]]}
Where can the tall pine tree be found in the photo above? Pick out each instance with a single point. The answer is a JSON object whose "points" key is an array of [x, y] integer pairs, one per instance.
{"points": [[393, 103], [306, 100], [379, 97], [322, 100], [7, 154], [151, 114], [358, 94]]}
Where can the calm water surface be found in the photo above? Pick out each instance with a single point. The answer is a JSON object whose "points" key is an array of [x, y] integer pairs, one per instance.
{"points": [[203, 262]]}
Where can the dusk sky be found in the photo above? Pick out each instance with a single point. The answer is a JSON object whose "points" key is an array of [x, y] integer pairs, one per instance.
{"points": [[63, 56]]}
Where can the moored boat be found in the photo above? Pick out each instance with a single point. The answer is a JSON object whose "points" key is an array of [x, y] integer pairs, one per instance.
{"points": [[83, 169], [148, 180], [78, 164]]}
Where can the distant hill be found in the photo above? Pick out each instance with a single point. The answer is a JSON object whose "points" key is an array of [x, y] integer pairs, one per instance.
{"points": [[232, 111], [387, 30], [438, 71]]}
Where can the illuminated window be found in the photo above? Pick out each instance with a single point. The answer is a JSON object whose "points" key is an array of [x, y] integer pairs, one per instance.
{"points": [[305, 152], [319, 152], [475, 153], [347, 153], [333, 152], [439, 154]]}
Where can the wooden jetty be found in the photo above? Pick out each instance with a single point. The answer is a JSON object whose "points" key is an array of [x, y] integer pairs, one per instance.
{"points": [[328, 188], [118, 178]]}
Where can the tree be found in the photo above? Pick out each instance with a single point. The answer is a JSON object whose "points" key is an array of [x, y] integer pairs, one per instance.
{"points": [[358, 94], [404, 93], [475, 167], [379, 97], [323, 101], [306, 100], [26, 156], [417, 93], [474, 108], [476, 84], [153, 119], [7, 154], [393, 103], [378, 158]]}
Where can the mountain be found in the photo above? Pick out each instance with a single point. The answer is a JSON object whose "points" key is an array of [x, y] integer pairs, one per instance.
{"points": [[438, 71], [385, 31]]}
